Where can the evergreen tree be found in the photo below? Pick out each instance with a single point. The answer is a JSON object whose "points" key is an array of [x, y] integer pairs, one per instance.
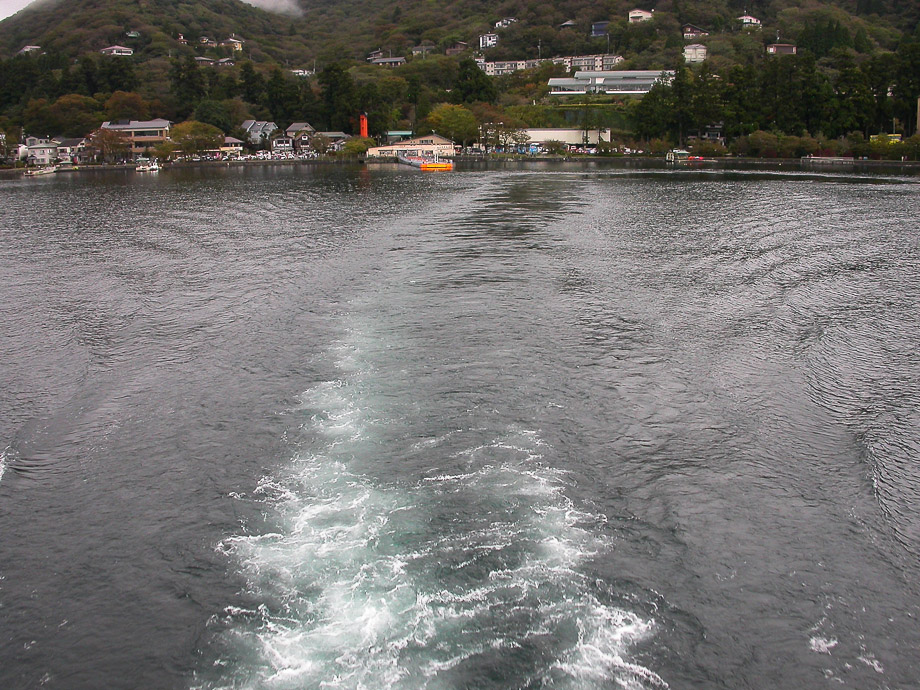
{"points": [[473, 84]]}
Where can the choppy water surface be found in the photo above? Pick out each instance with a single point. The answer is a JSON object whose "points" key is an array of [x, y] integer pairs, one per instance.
{"points": [[550, 428]]}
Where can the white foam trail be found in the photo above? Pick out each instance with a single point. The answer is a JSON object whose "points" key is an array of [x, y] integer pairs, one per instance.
{"points": [[372, 584], [4, 460]]}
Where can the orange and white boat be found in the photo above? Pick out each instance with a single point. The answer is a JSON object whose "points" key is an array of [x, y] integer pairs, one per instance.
{"points": [[426, 163]]}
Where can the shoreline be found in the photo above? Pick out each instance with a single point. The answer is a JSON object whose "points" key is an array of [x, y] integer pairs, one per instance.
{"points": [[626, 162]]}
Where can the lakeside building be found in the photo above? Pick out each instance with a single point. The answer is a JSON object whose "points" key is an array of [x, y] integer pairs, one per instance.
{"points": [[300, 133], [570, 136], [258, 131], [428, 145], [584, 63], [141, 134], [624, 82], [39, 151], [233, 147]]}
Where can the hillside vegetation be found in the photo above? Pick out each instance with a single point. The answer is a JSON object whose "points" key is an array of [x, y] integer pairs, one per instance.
{"points": [[857, 68]]}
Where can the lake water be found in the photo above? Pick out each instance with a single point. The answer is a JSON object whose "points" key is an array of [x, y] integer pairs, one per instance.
{"points": [[546, 427]]}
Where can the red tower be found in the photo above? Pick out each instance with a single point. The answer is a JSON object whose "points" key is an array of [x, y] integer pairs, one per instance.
{"points": [[362, 123]]}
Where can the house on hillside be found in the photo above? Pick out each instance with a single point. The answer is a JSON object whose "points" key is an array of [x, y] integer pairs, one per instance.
{"points": [[389, 61], [749, 22], [233, 43], [695, 52], [182, 39], [201, 60], [505, 23], [488, 41], [117, 51], [25, 50], [622, 82], [258, 131], [638, 15], [781, 49], [457, 48], [423, 48], [691, 31]]}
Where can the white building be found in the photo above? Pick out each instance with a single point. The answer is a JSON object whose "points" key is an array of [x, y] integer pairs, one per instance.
{"points": [[258, 131], [695, 52], [488, 41], [428, 145], [505, 23], [638, 15], [117, 51], [624, 82], [570, 136], [749, 22], [585, 63]]}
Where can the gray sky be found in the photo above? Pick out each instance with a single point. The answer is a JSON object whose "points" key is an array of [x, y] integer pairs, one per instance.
{"points": [[8, 7]]}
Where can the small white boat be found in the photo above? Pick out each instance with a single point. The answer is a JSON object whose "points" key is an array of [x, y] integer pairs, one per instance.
{"points": [[144, 165], [44, 170]]}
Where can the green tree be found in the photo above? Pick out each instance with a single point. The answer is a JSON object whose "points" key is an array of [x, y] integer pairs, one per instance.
{"points": [[195, 137], [252, 85], [340, 98], [454, 122], [187, 84], [214, 113], [473, 84]]}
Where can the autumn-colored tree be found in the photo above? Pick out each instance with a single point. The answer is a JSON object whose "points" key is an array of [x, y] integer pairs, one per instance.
{"points": [[109, 144], [126, 105]]}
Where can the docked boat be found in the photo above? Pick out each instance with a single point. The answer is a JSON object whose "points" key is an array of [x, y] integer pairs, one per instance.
{"points": [[425, 163], [681, 156], [677, 156], [146, 165], [44, 170]]}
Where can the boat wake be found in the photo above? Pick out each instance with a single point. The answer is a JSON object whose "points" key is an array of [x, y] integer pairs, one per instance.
{"points": [[469, 574]]}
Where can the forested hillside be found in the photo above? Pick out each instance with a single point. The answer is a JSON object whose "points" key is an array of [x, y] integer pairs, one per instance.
{"points": [[857, 68]]}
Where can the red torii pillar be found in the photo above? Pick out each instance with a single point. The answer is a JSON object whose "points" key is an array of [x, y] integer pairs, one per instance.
{"points": [[362, 124]]}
